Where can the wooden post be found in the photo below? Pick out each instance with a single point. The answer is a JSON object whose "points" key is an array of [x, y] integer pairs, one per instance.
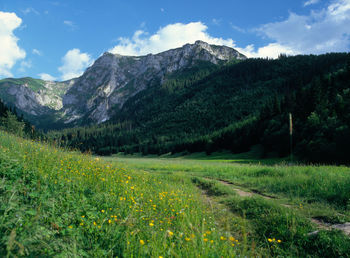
{"points": [[291, 136]]}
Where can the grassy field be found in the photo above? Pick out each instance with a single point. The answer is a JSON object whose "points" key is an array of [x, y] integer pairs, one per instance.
{"points": [[59, 203], [285, 201]]}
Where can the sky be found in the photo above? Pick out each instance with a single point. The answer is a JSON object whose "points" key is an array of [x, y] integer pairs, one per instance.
{"points": [[58, 40]]}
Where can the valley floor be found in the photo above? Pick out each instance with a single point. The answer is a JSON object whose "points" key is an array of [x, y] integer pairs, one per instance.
{"points": [[287, 209], [59, 203]]}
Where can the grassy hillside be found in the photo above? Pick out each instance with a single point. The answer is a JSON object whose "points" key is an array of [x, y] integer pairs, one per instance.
{"points": [[57, 203], [33, 84]]}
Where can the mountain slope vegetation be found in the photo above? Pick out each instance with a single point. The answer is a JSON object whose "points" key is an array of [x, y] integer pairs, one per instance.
{"points": [[234, 107]]}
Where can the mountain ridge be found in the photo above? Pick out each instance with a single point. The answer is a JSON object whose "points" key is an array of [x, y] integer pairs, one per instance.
{"points": [[127, 75], [105, 86]]}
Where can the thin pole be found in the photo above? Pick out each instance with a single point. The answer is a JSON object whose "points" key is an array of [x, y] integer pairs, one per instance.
{"points": [[291, 136]]}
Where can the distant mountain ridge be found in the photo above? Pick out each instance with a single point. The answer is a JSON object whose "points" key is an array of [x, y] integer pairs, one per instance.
{"points": [[104, 87], [113, 78]]}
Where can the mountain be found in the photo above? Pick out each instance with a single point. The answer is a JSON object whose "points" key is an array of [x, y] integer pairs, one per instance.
{"points": [[234, 107], [33, 96], [103, 89], [113, 79], [38, 100]]}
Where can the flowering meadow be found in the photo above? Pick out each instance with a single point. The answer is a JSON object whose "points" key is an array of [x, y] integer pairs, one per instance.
{"points": [[59, 203]]}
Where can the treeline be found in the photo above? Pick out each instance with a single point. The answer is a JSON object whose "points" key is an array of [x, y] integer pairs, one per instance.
{"points": [[234, 108], [15, 124]]}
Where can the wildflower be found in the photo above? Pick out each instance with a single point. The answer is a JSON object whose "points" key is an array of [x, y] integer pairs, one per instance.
{"points": [[70, 226], [205, 239], [151, 224], [170, 233], [102, 211], [232, 238], [222, 238], [279, 241], [142, 242], [187, 239], [109, 221], [270, 240]]}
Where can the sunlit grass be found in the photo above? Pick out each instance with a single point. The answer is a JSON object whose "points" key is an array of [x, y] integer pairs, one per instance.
{"points": [[62, 203], [327, 184]]}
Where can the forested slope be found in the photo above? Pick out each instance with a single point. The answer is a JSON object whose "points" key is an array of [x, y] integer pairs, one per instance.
{"points": [[234, 107]]}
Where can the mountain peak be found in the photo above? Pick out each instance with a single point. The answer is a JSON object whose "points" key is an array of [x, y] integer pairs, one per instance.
{"points": [[200, 42], [113, 79]]}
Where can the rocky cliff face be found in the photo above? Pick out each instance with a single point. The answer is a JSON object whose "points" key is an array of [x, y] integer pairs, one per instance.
{"points": [[105, 86], [33, 96], [113, 79]]}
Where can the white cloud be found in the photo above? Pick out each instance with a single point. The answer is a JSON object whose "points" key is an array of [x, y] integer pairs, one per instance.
{"points": [[36, 52], [30, 10], [236, 28], [311, 2], [322, 31], [47, 77], [70, 24], [162, 10], [319, 32], [74, 64], [168, 37], [25, 65], [272, 50], [216, 21], [10, 52]]}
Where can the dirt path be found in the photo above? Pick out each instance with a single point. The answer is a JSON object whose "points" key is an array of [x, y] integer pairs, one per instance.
{"points": [[319, 223], [242, 193]]}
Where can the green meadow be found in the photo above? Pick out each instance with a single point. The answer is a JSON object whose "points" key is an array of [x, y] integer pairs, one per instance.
{"points": [[58, 203]]}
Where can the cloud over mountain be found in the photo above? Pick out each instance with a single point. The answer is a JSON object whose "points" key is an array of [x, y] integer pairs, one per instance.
{"points": [[10, 52]]}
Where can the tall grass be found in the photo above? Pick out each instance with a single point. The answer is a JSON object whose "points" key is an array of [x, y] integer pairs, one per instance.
{"points": [[57, 203]]}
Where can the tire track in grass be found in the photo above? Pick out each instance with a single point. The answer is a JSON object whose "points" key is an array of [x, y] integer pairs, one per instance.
{"points": [[345, 227]]}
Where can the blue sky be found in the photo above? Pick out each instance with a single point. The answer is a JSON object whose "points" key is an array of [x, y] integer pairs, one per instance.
{"points": [[57, 40]]}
